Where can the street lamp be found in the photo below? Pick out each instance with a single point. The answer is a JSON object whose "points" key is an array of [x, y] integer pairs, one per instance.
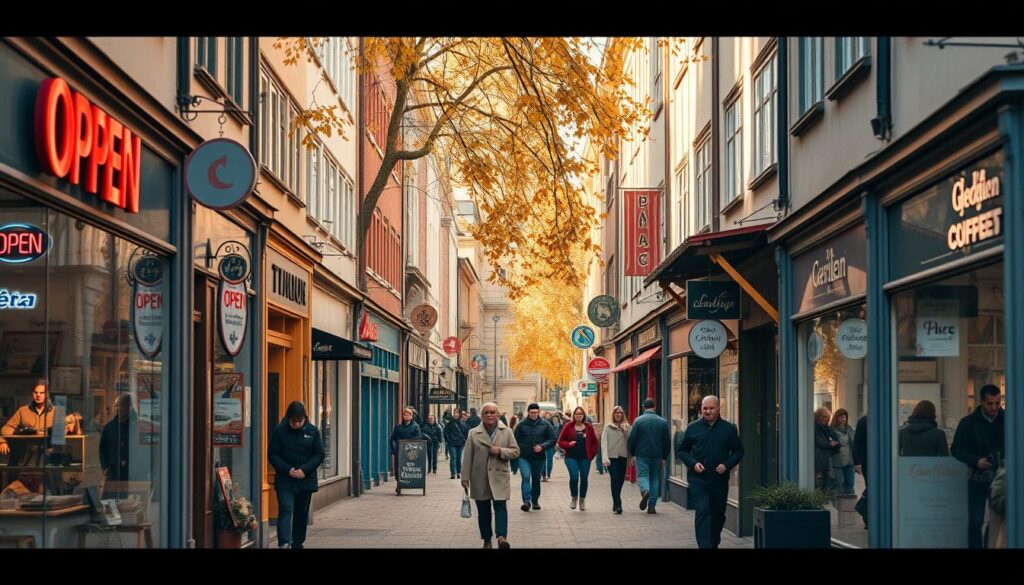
{"points": [[496, 319]]}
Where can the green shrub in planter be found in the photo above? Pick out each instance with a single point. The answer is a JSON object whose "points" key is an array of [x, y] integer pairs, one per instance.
{"points": [[789, 516]]}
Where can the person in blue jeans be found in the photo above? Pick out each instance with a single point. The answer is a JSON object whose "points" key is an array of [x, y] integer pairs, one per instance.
{"points": [[649, 443], [295, 452], [534, 437], [549, 453], [710, 448], [455, 433], [580, 443]]}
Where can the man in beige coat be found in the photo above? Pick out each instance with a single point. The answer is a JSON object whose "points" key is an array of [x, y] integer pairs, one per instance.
{"points": [[485, 472]]}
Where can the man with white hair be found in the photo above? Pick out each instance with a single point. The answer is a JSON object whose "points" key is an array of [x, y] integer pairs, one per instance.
{"points": [[710, 448], [486, 474]]}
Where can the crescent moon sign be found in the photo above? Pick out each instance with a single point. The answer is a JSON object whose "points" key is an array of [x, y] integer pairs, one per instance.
{"points": [[211, 174]]}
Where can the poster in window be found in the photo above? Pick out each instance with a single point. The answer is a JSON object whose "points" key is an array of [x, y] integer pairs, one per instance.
{"points": [[25, 352], [228, 406], [227, 491], [938, 327], [148, 390], [932, 510]]}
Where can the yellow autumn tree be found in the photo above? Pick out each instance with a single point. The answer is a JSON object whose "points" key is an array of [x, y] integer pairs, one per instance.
{"points": [[503, 111], [543, 319]]}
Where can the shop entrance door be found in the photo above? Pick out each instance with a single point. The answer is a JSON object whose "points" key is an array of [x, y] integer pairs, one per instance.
{"points": [[757, 426], [203, 336], [285, 381]]}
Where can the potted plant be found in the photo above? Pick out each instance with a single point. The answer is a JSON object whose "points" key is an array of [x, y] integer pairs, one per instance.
{"points": [[789, 516], [233, 520]]}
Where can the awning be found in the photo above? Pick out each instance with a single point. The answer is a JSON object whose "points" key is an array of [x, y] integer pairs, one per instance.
{"points": [[693, 258], [642, 358], [622, 366], [327, 346]]}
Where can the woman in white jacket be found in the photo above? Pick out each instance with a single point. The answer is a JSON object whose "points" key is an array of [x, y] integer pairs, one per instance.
{"points": [[615, 453]]}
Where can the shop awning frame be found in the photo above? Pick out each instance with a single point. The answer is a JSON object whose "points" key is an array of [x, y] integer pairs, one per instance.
{"points": [[712, 253]]}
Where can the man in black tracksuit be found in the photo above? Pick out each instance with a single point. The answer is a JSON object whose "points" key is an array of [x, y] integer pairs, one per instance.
{"points": [[432, 431], [295, 452], [710, 448], [534, 435], [979, 442]]}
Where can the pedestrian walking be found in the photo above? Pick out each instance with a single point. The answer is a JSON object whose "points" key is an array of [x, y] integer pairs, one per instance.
{"points": [[616, 454], [710, 448], [432, 431], [650, 443], [455, 437], [295, 451], [489, 448], [406, 430], [535, 437], [514, 464], [580, 443]]}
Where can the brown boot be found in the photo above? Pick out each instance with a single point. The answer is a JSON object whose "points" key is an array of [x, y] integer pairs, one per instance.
{"points": [[487, 544], [583, 504], [572, 504], [502, 543]]}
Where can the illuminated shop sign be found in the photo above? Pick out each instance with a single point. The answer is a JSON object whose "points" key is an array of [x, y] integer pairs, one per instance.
{"points": [[22, 243], [77, 141], [979, 225], [16, 300]]}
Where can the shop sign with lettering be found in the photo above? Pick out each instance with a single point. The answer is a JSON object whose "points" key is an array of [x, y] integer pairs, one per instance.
{"points": [[289, 282], [832, 271], [707, 299]]}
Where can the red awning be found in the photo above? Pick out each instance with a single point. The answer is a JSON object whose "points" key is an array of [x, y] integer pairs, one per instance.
{"points": [[622, 366], [642, 358]]}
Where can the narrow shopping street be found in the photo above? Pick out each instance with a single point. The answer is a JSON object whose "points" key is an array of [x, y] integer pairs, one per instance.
{"points": [[380, 519]]}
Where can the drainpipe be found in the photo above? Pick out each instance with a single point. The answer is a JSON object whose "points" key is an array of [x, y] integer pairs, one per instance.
{"points": [[882, 124], [782, 122], [716, 162]]}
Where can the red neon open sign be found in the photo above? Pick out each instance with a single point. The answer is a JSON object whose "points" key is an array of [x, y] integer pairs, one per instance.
{"points": [[72, 133], [22, 243]]}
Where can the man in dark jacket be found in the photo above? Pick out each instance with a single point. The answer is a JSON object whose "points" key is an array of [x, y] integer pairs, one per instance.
{"points": [[650, 443], [408, 429], [295, 452], [114, 444], [473, 419], [979, 443], [432, 431], [455, 433], [534, 436], [710, 449]]}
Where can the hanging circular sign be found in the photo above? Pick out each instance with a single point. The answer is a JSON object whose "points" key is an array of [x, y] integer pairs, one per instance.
{"points": [[708, 338], [232, 308], [852, 338], [598, 368], [452, 345], [220, 173], [480, 362], [149, 270], [815, 347], [603, 311], [424, 317], [234, 268], [582, 337]]}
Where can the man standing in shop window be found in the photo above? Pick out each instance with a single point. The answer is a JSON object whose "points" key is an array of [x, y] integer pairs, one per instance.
{"points": [[114, 445], [979, 443]]}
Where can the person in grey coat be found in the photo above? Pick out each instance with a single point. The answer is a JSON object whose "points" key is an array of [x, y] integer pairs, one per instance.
{"points": [[920, 436], [841, 460], [650, 443]]}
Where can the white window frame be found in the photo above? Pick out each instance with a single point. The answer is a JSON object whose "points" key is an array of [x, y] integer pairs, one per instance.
{"points": [[682, 196], [812, 71], [702, 184], [656, 74], [765, 104], [733, 126]]}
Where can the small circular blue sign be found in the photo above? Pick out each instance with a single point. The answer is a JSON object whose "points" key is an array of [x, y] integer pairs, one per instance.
{"points": [[583, 337], [149, 270], [234, 268]]}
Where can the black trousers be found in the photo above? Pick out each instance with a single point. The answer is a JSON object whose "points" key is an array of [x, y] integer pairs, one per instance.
{"points": [[708, 500], [977, 496], [617, 470], [292, 517]]}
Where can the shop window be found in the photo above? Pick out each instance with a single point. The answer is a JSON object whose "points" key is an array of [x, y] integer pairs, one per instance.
{"points": [[948, 348], [833, 398]]}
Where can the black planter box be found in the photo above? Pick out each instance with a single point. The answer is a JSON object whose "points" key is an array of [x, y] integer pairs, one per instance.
{"points": [[792, 529]]}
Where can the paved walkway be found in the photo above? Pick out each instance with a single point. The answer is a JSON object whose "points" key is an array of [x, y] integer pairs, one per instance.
{"points": [[380, 519]]}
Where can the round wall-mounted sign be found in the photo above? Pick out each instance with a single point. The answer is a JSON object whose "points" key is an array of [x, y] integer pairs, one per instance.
{"points": [[149, 270], [233, 309], [815, 347], [708, 338], [583, 337], [220, 173], [452, 345], [603, 311], [234, 268], [424, 317], [852, 338]]}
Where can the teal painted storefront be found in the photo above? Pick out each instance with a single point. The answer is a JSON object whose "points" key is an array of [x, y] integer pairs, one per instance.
{"points": [[379, 381]]}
